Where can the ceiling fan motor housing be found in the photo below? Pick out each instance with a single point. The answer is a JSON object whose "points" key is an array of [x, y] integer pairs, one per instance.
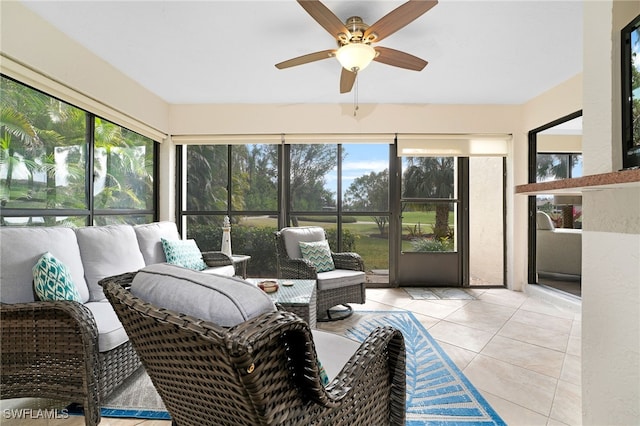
{"points": [[357, 27]]}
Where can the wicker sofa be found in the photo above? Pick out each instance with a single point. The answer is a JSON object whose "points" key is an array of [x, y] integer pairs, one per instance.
{"points": [[67, 350]]}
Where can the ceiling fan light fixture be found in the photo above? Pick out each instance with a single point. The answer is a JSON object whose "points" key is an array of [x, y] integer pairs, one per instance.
{"points": [[355, 56]]}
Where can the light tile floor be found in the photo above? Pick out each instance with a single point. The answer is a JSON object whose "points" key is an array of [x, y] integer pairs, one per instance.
{"points": [[520, 352]]}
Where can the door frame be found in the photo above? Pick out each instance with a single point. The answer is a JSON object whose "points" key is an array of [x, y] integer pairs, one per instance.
{"points": [[459, 260]]}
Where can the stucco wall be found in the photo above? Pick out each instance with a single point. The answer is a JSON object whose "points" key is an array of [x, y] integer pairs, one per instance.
{"points": [[611, 233]]}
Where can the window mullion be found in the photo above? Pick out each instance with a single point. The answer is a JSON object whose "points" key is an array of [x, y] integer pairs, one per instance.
{"points": [[90, 171]]}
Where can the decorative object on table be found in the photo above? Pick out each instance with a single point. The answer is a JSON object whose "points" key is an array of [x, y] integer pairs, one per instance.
{"points": [[268, 286], [226, 236]]}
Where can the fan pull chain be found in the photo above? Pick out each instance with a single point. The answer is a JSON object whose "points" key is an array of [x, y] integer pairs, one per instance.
{"points": [[355, 98]]}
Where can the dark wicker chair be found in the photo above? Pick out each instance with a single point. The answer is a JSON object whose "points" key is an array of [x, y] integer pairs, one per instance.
{"points": [[261, 372], [299, 268], [50, 350]]}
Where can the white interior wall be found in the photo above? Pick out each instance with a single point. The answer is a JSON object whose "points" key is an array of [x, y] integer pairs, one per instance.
{"points": [[34, 43], [611, 233], [486, 220]]}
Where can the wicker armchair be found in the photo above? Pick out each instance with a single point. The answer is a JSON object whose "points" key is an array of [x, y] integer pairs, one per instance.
{"points": [[346, 284], [261, 372], [50, 350]]}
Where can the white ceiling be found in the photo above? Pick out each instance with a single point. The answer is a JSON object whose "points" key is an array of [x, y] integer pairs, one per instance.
{"points": [[479, 52]]}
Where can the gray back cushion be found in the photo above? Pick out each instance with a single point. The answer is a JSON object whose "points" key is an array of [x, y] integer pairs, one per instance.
{"points": [[225, 301], [294, 235], [149, 240], [21, 249], [106, 251]]}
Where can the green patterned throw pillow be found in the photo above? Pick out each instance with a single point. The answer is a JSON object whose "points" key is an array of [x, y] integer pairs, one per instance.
{"points": [[324, 378], [183, 253], [52, 280], [319, 254]]}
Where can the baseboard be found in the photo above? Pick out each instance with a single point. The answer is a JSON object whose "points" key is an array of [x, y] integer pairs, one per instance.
{"points": [[556, 297]]}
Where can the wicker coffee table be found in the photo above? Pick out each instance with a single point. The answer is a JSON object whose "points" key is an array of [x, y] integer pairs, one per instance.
{"points": [[299, 298]]}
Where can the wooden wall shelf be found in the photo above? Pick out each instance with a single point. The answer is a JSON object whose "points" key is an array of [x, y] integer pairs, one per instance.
{"points": [[621, 179]]}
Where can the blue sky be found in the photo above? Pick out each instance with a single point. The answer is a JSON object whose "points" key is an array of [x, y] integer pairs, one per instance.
{"points": [[361, 159]]}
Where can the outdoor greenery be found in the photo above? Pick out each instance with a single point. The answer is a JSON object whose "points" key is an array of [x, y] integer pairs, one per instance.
{"points": [[431, 177], [431, 244], [370, 193], [44, 164]]}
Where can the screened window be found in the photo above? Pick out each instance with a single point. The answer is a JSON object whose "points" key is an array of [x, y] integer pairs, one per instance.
{"points": [[343, 188], [429, 204], [46, 177], [558, 166]]}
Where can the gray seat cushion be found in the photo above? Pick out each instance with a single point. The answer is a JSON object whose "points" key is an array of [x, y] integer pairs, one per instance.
{"points": [[111, 333], [107, 251], [21, 247], [339, 278], [225, 301], [149, 240]]}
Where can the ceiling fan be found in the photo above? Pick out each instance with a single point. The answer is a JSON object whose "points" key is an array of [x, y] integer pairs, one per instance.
{"points": [[355, 37]]}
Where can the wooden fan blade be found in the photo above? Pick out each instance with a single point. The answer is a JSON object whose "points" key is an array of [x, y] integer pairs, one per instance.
{"points": [[305, 59], [398, 18], [347, 78], [400, 59], [325, 17]]}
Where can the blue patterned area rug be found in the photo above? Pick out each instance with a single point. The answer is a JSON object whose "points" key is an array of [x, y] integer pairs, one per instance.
{"points": [[437, 391]]}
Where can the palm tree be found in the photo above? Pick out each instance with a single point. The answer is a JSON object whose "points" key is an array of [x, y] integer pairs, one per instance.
{"points": [[555, 166], [18, 138], [128, 179], [207, 177], [431, 177]]}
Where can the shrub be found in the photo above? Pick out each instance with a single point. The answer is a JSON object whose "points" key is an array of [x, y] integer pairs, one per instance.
{"points": [[257, 242], [432, 244]]}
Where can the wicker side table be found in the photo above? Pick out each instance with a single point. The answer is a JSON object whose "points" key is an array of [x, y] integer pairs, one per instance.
{"points": [[299, 298]]}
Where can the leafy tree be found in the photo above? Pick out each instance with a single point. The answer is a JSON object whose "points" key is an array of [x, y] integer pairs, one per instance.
{"points": [[431, 177], [34, 127], [262, 178], [555, 166], [370, 193], [207, 181], [309, 167], [125, 167]]}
